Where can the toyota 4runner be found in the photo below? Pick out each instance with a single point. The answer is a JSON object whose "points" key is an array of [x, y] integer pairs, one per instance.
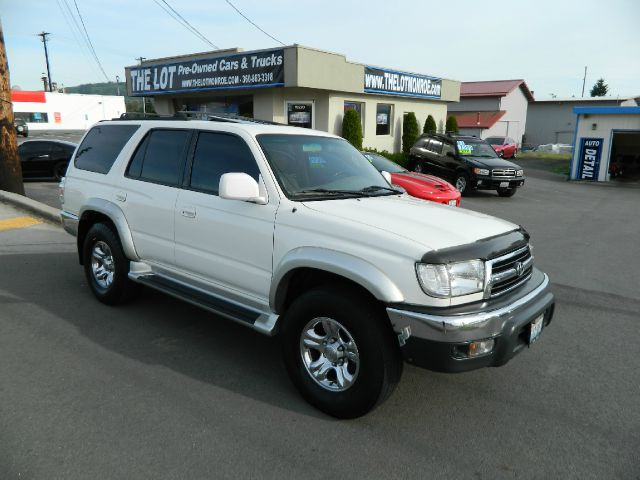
{"points": [[293, 232]]}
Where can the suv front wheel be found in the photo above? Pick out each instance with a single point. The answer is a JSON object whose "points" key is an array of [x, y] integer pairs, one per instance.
{"points": [[462, 183], [105, 266], [340, 351]]}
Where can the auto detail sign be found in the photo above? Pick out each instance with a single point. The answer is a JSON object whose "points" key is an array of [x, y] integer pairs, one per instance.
{"points": [[257, 69], [589, 160], [389, 82]]}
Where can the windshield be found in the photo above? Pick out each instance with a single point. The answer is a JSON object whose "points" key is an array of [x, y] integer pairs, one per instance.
{"points": [[383, 164], [495, 140], [309, 167], [475, 148]]}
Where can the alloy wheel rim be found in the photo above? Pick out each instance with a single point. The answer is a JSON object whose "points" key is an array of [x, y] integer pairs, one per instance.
{"points": [[418, 168], [329, 354], [461, 183], [102, 265]]}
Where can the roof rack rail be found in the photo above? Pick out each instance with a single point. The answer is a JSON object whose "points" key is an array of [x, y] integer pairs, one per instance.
{"points": [[191, 115]]}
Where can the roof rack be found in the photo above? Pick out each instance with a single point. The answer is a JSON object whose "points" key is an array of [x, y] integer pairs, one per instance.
{"points": [[189, 115]]}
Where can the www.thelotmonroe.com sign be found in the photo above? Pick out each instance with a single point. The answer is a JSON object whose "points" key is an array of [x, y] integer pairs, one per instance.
{"points": [[259, 69], [377, 80]]}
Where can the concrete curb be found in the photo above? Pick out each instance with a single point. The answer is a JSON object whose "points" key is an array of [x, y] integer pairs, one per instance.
{"points": [[46, 212]]}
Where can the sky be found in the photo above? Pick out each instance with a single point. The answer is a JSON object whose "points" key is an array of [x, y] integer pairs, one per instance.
{"points": [[545, 42]]}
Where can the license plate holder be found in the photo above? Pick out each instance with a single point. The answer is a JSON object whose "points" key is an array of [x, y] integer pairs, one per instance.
{"points": [[504, 184], [535, 328]]}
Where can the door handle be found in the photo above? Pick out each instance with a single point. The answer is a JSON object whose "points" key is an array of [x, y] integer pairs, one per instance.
{"points": [[189, 212], [121, 196]]}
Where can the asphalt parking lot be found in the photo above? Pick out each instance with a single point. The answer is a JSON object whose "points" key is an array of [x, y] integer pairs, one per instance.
{"points": [[159, 389]]}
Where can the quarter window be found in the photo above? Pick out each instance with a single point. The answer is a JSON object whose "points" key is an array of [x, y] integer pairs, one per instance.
{"points": [[217, 154], [101, 146], [435, 146]]}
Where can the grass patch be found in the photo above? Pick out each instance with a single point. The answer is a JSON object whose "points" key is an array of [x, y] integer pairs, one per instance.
{"points": [[561, 169], [545, 155]]}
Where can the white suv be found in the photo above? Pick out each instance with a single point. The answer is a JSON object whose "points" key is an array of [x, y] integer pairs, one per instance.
{"points": [[293, 232]]}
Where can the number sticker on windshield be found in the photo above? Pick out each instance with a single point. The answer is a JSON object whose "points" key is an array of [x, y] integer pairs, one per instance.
{"points": [[464, 148]]}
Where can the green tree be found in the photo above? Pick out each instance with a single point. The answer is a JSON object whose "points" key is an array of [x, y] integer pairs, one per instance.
{"points": [[452, 125], [429, 125], [600, 88], [352, 128], [410, 131]]}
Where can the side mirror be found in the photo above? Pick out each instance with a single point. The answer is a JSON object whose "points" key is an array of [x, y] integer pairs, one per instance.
{"points": [[240, 186], [387, 176]]}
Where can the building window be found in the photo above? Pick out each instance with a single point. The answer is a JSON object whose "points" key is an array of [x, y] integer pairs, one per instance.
{"points": [[383, 119], [357, 106], [33, 117], [300, 114]]}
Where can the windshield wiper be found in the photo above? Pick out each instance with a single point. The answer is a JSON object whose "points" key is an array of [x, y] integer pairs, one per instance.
{"points": [[358, 193], [373, 188]]}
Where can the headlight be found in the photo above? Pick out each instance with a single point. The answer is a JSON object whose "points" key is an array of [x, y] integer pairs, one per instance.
{"points": [[519, 173], [451, 280], [481, 171]]}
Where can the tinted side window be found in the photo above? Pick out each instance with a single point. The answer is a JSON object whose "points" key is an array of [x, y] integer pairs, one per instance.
{"points": [[447, 147], [219, 153], [164, 157], [135, 166], [102, 145], [435, 146]]}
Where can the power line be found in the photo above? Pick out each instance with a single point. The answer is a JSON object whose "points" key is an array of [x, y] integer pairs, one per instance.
{"points": [[75, 30], [172, 12], [248, 20], [93, 51]]}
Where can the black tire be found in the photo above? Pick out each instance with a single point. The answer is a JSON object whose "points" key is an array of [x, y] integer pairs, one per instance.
{"points": [[461, 182], [379, 361], [515, 154], [120, 289], [60, 170], [25, 134], [507, 192]]}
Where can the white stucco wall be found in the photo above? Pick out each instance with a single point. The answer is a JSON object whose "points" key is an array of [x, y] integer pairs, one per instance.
{"points": [[513, 123], [77, 111]]}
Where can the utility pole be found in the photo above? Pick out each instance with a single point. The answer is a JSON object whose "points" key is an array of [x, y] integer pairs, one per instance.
{"points": [[44, 36], [584, 79], [10, 168], [117, 85], [144, 108]]}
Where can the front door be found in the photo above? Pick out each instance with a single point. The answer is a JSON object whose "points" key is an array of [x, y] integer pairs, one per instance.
{"points": [[227, 243]]}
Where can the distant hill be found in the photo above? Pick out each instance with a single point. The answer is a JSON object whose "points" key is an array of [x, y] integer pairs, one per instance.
{"points": [[133, 104]]}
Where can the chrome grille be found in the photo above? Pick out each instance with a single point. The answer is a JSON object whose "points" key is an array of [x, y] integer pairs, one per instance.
{"points": [[509, 271], [504, 172]]}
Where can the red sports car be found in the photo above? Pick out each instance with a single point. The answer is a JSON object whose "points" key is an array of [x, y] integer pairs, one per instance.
{"points": [[417, 185], [505, 147]]}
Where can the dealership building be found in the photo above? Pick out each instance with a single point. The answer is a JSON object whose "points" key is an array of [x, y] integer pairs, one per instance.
{"points": [[295, 85], [606, 144]]}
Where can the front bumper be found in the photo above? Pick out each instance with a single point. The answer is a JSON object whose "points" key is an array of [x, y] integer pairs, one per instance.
{"points": [[433, 340], [493, 183]]}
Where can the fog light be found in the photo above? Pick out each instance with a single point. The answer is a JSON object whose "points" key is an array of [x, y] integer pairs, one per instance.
{"points": [[479, 182], [481, 347]]}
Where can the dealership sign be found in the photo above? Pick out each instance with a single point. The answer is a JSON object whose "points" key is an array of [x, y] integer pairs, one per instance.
{"points": [[589, 160], [259, 69], [389, 82]]}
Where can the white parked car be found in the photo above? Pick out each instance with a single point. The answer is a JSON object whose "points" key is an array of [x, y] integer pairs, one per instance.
{"points": [[293, 232]]}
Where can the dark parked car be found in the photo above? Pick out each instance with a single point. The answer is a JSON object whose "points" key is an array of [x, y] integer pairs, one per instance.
{"points": [[505, 147], [45, 158], [469, 163], [21, 127]]}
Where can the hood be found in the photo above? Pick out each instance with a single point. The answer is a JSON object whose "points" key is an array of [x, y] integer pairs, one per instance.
{"points": [[432, 225], [421, 180], [498, 148], [493, 162]]}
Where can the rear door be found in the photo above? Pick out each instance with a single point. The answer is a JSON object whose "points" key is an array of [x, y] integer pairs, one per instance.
{"points": [[149, 190]]}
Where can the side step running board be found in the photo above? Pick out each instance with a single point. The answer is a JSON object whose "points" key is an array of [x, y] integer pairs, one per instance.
{"points": [[262, 322]]}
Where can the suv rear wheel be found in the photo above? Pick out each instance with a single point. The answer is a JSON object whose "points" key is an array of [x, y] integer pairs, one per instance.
{"points": [[340, 351], [105, 266]]}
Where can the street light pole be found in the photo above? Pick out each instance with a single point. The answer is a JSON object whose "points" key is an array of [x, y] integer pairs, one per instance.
{"points": [[144, 108], [44, 36], [117, 85], [584, 79]]}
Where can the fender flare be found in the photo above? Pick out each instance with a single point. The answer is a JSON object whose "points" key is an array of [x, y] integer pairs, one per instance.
{"points": [[348, 266], [115, 214]]}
